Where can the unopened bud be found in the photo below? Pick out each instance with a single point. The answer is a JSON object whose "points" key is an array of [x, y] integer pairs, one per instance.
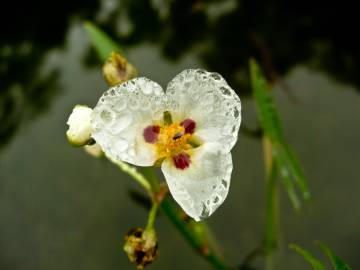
{"points": [[94, 150], [118, 70], [141, 246], [79, 132]]}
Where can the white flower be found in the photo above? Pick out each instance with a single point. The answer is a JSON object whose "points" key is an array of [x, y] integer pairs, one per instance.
{"points": [[79, 132], [189, 130]]}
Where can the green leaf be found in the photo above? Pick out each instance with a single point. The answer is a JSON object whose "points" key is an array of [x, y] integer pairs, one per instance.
{"points": [[267, 114], [288, 165], [315, 263], [103, 44], [337, 263]]}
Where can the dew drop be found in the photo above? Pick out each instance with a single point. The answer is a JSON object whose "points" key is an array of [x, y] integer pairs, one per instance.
{"points": [[106, 116], [134, 104], [147, 90], [144, 105], [236, 113], [121, 124], [226, 91], [120, 105], [121, 145], [205, 211], [195, 96], [158, 91], [215, 76]]}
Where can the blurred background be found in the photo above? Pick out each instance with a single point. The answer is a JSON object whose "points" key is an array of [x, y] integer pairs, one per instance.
{"points": [[62, 209]]}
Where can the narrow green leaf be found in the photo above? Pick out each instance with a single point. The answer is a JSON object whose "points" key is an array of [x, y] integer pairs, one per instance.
{"points": [[315, 263], [338, 264], [296, 170], [286, 161], [103, 44], [268, 117], [286, 176]]}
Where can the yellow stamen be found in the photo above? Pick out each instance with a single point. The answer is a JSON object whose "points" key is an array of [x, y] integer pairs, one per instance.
{"points": [[172, 140]]}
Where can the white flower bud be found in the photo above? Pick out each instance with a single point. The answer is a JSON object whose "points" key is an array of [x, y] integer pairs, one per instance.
{"points": [[79, 132]]}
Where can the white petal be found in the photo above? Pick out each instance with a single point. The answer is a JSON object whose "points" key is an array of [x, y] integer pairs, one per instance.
{"points": [[120, 117], [79, 132], [207, 99], [202, 187]]}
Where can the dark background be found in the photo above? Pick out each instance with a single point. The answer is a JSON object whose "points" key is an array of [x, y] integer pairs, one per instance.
{"points": [[62, 209]]}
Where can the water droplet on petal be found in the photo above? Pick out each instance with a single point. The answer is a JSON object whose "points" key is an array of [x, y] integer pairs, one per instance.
{"points": [[134, 104], [120, 105], [106, 116], [226, 91], [147, 89], [121, 124], [215, 76], [121, 145]]}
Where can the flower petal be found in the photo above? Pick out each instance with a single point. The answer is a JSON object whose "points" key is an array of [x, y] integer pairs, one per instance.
{"points": [[203, 186], [207, 99], [122, 114]]}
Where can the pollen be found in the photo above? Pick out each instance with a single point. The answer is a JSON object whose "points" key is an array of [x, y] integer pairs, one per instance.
{"points": [[172, 140]]}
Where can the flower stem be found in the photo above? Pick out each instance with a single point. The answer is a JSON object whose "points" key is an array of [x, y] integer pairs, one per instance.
{"points": [[191, 237], [271, 219], [152, 216], [132, 171]]}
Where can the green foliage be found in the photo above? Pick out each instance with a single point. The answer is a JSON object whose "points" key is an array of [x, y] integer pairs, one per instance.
{"points": [[315, 263], [288, 165], [103, 44], [337, 263]]}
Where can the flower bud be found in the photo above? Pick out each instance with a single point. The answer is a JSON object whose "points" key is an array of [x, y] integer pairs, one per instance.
{"points": [[94, 150], [141, 246], [117, 69], [79, 132]]}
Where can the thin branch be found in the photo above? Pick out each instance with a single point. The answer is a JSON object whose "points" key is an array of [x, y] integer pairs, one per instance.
{"points": [[132, 171]]}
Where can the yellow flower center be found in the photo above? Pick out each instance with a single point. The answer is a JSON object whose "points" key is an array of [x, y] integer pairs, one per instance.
{"points": [[172, 140]]}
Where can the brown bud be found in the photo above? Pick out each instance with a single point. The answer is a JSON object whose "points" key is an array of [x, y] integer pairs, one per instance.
{"points": [[141, 246], [117, 69]]}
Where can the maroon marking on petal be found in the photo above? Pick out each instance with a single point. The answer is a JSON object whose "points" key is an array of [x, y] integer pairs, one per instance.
{"points": [[151, 134], [182, 161], [189, 125]]}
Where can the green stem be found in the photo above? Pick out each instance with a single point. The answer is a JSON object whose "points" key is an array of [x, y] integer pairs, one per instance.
{"points": [[191, 237], [152, 216], [270, 241], [132, 171], [271, 220], [152, 178]]}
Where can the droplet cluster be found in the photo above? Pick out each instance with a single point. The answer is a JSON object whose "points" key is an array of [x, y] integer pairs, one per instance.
{"points": [[207, 98], [123, 111]]}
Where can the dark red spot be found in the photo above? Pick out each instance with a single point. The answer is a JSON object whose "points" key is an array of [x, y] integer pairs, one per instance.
{"points": [[151, 134], [182, 161], [189, 125]]}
